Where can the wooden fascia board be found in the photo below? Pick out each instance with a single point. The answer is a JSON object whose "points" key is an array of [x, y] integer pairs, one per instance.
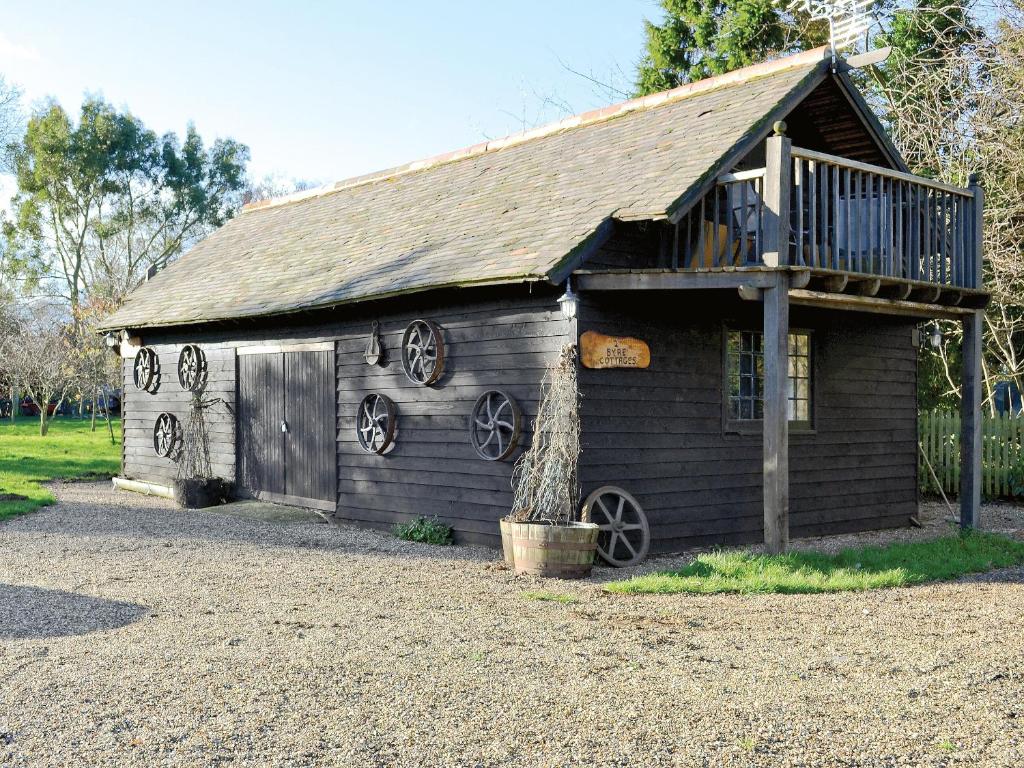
{"points": [[762, 130], [652, 280], [583, 251], [873, 305]]}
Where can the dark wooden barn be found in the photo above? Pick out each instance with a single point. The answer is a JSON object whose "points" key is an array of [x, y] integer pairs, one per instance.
{"points": [[374, 349]]}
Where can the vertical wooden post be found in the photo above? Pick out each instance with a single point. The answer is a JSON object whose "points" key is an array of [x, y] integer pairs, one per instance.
{"points": [[776, 415], [977, 241], [778, 174], [970, 422]]}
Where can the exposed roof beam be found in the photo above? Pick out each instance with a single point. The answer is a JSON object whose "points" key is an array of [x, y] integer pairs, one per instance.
{"points": [[873, 305], [657, 280]]}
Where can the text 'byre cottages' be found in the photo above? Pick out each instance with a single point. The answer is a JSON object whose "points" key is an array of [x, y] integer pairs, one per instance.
{"points": [[743, 261]]}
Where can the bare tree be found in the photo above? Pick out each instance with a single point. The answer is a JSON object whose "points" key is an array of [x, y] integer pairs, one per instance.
{"points": [[273, 185], [97, 368], [955, 107], [8, 333], [42, 359], [11, 120]]}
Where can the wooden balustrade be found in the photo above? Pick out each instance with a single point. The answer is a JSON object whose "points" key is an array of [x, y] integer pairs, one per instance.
{"points": [[726, 227], [829, 213], [859, 218]]}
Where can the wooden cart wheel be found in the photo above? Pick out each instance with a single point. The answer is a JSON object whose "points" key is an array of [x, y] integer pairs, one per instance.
{"points": [[166, 435], [496, 424], [423, 352], [625, 535], [144, 370], [191, 368], [375, 423]]}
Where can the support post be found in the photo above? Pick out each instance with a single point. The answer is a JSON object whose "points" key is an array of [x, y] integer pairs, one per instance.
{"points": [[778, 174], [776, 415], [977, 233], [970, 422]]}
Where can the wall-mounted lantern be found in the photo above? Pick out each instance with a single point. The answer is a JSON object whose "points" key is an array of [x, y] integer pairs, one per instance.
{"points": [[569, 302]]}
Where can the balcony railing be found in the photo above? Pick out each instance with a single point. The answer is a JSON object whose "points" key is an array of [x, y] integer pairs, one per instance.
{"points": [[827, 213]]}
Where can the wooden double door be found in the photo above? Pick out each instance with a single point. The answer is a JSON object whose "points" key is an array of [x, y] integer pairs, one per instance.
{"points": [[286, 426]]}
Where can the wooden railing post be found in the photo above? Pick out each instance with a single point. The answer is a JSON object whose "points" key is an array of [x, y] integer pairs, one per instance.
{"points": [[778, 175], [977, 239], [776, 415], [970, 422]]}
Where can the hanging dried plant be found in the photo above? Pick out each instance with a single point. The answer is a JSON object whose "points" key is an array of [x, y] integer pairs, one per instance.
{"points": [[194, 463], [545, 481]]}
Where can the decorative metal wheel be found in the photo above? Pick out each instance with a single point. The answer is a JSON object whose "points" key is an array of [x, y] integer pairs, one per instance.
{"points": [[166, 435], [191, 368], [145, 369], [497, 422], [625, 535], [423, 352], [375, 423]]}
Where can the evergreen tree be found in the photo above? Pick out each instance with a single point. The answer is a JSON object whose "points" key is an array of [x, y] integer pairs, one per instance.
{"points": [[701, 38]]}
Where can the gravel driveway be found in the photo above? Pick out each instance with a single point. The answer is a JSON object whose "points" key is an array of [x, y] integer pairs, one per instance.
{"points": [[132, 633]]}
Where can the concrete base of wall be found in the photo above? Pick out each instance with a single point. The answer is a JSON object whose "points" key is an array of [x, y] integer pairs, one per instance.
{"points": [[138, 486]]}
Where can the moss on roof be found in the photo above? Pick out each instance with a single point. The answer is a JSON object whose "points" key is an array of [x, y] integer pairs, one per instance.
{"points": [[508, 211]]}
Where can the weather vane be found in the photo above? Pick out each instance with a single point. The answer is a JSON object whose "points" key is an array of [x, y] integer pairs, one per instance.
{"points": [[847, 19]]}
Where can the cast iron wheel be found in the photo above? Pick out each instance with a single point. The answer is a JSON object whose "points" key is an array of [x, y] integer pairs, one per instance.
{"points": [[423, 352], [497, 422], [191, 368], [166, 435], [144, 371], [375, 423], [625, 535]]}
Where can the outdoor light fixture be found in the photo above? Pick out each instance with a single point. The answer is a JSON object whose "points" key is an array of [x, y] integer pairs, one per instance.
{"points": [[110, 339], [935, 336], [568, 302]]}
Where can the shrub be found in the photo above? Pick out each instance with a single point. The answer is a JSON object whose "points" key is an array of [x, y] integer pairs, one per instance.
{"points": [[425, 531]]}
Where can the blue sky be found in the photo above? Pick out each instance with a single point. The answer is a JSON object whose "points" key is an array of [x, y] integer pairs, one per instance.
{"points": [[322, 90]]}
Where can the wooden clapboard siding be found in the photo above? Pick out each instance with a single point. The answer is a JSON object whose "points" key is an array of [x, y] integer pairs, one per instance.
{"points": [[433, 469], [495, 339], [140, 410], [659, 433]]}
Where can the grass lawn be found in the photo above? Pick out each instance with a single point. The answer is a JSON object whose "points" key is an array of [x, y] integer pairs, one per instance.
{"points": [[69, 451], [897, 565]]}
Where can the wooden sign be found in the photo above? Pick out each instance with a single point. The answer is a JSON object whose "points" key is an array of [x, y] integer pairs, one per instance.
{"points": [[600, 351]]}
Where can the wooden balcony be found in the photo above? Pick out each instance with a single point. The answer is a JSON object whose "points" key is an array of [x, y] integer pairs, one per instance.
{"points": [[846, 222]]}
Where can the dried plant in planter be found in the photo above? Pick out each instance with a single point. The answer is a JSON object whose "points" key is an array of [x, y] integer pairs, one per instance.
{"points": [[545, 481], [542, 537], [195, 485]]}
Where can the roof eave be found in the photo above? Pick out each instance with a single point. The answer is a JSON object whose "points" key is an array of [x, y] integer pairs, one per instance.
{"points": [[113, 324]]}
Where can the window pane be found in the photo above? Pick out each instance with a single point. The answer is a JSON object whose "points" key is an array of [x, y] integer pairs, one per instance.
{"points": [[745, 376]]}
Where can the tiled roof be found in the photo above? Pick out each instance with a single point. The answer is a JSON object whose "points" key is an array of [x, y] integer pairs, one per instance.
{"points": [[507, 211]]}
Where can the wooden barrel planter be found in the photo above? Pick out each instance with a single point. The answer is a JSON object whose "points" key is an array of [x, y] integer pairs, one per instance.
{"points": [[560, 551], [506, 542]]}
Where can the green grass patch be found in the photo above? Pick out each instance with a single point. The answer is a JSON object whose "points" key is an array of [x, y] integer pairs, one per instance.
{"points": [[550, 597], [424, 530], [69, 451], [897, 565]]}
